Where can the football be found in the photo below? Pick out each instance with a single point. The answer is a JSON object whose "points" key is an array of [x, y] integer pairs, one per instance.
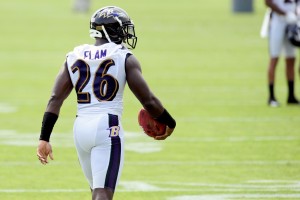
{"points": [[149, 125]]}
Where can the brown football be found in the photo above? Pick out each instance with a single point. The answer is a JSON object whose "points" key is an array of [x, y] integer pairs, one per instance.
{"points": [[149, 125]]}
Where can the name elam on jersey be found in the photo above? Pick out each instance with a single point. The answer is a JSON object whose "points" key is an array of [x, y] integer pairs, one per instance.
{"points": [[94, 55]]}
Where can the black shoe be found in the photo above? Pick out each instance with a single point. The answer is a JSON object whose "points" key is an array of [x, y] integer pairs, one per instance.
{"points": [[293, 101]]}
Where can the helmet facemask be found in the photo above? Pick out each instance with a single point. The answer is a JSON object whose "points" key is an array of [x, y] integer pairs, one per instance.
{"points": [[130, 39]]}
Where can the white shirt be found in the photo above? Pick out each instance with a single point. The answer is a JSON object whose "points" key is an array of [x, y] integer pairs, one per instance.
{"points": [[98, 75]]}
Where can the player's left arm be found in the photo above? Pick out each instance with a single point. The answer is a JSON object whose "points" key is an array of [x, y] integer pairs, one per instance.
{"points": [[150, 102], [61, 90]]}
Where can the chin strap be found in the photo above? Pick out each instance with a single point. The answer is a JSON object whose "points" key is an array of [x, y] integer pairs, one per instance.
{"points": [[105, 33]]}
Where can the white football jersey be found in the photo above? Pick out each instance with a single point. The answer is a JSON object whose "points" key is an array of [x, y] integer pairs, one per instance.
{"points": [[98, 75]]}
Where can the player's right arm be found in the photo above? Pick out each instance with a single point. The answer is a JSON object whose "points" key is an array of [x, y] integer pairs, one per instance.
{"points": [[61, 90], [150, 102], [274, 7], [290, 16]]}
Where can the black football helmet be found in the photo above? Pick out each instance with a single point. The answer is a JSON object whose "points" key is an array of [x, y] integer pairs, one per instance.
{"points": [[293, 34], [113, 24]]}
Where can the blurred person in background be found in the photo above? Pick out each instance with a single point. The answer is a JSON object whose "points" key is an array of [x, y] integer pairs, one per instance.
{"points": [[82, 6], [99, 73], [283, 12]]}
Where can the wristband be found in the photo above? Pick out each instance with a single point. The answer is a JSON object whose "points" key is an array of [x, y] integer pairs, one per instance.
{"points": [[48, 123], [167, 119]]}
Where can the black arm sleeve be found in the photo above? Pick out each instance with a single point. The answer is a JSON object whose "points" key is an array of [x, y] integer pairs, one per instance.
{"points": [[167, 119], [48, 123]]}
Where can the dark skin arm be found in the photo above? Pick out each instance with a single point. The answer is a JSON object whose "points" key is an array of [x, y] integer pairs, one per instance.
{"points": [[61, 90], [274, 7], [141, 90]]}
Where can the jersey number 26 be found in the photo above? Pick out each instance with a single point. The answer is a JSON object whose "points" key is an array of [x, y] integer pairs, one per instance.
{"points": [[105, 86]]}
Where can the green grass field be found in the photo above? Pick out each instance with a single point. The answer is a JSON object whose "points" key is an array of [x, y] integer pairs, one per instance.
{"points": [[208, 67]]}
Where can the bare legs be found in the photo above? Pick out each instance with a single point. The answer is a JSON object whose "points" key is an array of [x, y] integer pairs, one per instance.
{"points": [[290, 75], [271, 79], [102, 194]]}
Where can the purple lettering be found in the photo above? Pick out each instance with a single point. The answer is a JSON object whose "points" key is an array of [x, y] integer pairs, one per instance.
{"points": [[97, 55], [87, 54], [103, 53]]}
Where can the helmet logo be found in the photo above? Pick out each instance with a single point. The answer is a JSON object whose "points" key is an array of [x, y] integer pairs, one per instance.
{"points": [[110, 12]]}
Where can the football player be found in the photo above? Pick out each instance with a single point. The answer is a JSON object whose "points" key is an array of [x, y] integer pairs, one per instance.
{"points": [[283, 13], [98, 74], [82, 6]]}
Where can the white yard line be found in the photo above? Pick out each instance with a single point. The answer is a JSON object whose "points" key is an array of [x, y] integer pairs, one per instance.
{"points": [[290, 185], [136, 142], [243, 119], [235, 196], [173, 163], [7, 108], [42, 190], [235, 139], [215, 163], [253, 190]]}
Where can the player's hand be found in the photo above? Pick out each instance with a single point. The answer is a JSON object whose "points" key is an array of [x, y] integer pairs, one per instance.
{"points": [[43, 151], [291, 18], [168, 132]]}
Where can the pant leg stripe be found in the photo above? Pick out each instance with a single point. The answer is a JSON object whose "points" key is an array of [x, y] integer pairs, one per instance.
{"points": [[115, 156]]}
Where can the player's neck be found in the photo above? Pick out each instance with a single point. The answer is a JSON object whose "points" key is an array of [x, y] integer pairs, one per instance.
{"points": [[100, 41]]}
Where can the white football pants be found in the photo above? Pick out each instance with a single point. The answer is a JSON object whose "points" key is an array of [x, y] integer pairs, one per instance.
{"points": [[99, 141]]}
